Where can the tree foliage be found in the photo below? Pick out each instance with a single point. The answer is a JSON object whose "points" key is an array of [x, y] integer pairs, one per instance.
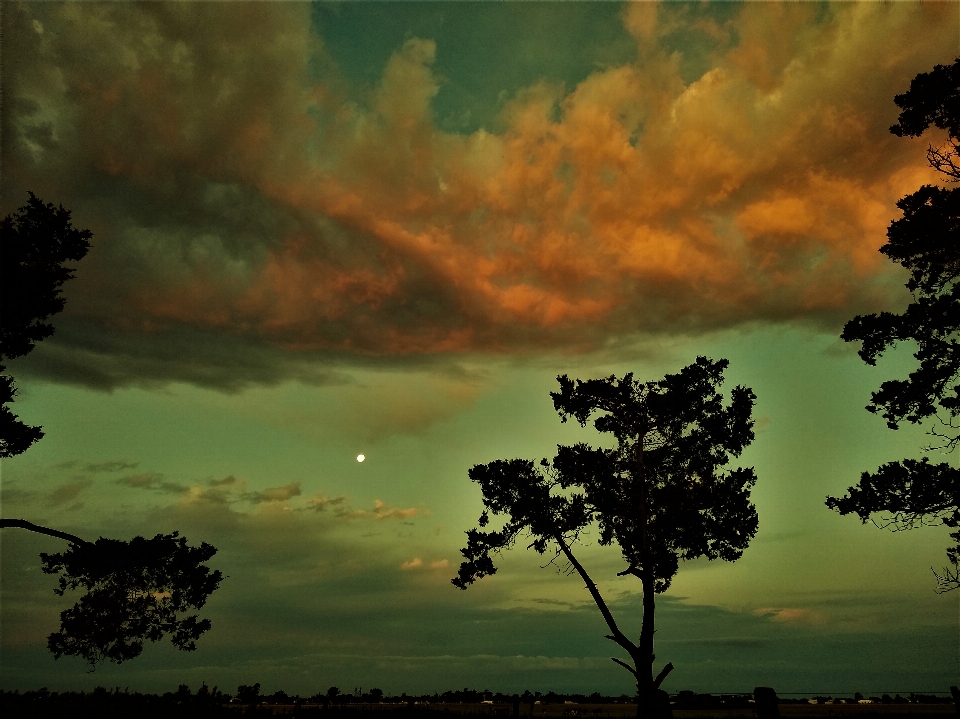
{"points": [[135, 591], [35, 242], [926, 242], [662, 495]]}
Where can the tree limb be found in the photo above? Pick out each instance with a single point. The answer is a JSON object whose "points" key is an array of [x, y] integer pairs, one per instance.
{"points": [[662, 675], [625, 665], [24, 524], [617, 636]]}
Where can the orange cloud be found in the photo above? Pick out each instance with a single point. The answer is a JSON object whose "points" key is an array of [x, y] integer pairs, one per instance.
{"points": [[635, 201]]}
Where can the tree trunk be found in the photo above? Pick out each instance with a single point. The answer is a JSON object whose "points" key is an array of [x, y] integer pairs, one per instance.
{"points": [[652, 702], [646, 704]]}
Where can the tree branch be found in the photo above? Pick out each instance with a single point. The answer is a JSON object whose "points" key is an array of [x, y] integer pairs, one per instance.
{"points": [[662, 675], [24, 524], [625, 666], [617, 636]]}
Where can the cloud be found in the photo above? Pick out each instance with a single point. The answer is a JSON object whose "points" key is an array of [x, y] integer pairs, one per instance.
{"points": [[274, 494], [68, 492], [116, 466], [228, 481], [418, 563], [738, 642], [258, 219], [153, 481], [382, 511], [319, 502], [231, 490], [791, 615]]}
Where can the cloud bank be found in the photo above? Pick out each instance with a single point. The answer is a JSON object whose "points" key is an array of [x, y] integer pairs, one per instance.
{"points": [[257, 218]]}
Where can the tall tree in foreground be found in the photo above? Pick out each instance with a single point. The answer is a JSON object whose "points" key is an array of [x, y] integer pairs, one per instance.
{"points": [[136, 590], [926, 241], [662, 495]]}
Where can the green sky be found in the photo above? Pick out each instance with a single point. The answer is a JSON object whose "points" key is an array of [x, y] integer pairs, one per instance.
{"points": [[385, 228]]}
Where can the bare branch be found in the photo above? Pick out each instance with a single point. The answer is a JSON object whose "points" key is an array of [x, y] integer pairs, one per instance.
{"points": [[945, 159], [30, 526], [624, 664], [662, 675], [948, 581], [617, 635]]}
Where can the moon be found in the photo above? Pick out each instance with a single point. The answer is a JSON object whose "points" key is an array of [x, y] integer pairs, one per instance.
{"points": [[360, 458]]}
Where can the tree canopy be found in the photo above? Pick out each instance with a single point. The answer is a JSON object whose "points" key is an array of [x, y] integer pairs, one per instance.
{"points": [[662, 495], [35, 242], [926, 242], [135, 591]]}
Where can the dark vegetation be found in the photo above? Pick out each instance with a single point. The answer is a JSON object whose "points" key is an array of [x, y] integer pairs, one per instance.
{"points": [[35, 242], [662, 495], [925, 241], [248, 701], [135, 590]]}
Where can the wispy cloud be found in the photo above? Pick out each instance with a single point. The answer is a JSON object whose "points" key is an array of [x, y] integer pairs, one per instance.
{"points": [[319, 502], [380, 511], [274, 494], [418, 563], [790, 615], [115, 466], [68, 492], [153, 481]]}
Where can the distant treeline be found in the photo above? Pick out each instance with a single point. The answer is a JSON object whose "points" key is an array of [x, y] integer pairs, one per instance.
{"points": [[213, 703]]}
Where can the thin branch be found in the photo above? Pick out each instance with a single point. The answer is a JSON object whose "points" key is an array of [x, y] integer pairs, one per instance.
{"points": [[948, 581], [625, 665], [617, 636], [24, 524], [944, 160], [632, 569]]}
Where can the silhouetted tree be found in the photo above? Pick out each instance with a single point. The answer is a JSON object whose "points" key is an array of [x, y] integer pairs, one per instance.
{"points": [[35, 241], [249, 694], [925, 241], [136, 590], [662, 495]]}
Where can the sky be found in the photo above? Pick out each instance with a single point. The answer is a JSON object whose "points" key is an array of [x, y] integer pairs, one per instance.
{"points": [[337, 228]]}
